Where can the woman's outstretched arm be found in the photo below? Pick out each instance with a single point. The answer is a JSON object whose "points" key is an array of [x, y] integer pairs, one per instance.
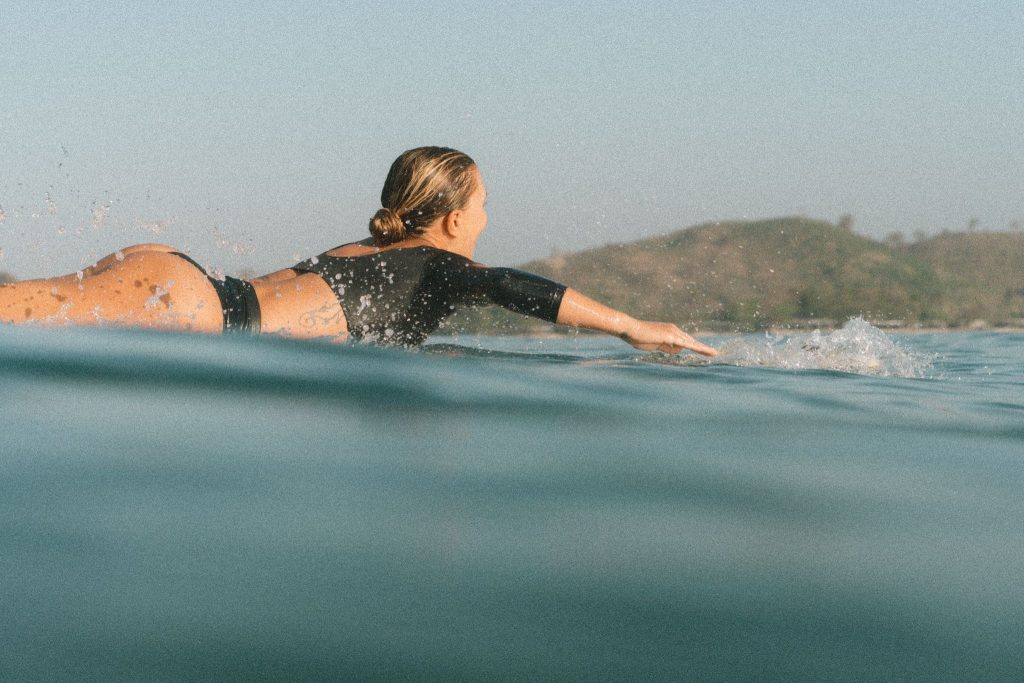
{"points": [[578, 310]]}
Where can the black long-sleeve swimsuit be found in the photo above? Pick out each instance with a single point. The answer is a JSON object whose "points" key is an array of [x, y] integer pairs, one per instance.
{"points": [[399, 296]]}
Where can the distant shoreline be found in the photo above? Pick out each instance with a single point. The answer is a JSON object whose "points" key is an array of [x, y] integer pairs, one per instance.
{"points": [[906, 329], [778, 330]]}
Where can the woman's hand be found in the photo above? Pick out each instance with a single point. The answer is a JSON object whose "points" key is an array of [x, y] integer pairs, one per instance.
{"points": [[653, 336]]}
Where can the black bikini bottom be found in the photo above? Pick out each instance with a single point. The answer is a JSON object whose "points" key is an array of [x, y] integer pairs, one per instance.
{"points": [[238, 301]]}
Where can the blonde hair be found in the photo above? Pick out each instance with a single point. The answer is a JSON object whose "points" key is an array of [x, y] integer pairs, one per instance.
{"points": [[423, 184]]}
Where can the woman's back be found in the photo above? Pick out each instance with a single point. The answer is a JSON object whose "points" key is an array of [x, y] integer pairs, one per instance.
{"points": [[399, 296]]}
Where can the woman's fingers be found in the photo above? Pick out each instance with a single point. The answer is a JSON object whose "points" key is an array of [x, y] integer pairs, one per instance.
{"points": [[685, 341], [666, 337], [701, 348]]}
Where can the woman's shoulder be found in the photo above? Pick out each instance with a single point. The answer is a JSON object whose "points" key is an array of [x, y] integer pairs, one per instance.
{"points": [[418, 252], [361, 248]]}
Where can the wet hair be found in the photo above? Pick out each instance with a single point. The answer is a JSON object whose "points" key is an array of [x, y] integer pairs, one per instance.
{"points": [[423, 184]]}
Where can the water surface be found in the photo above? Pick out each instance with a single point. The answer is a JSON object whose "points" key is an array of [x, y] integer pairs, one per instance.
{"points": [[840, 507]]}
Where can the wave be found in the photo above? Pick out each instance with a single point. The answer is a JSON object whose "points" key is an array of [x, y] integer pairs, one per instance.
{"points": [[857, 348], [198, 507]]}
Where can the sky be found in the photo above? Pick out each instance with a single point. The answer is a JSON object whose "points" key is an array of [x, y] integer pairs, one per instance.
{"points": [[254, 134]]}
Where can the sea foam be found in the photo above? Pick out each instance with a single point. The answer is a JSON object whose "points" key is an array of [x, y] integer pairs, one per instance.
{"points": [[857, 348]]}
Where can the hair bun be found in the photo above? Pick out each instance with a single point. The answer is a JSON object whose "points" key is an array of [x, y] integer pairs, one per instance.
{"points": [[387, 227]]}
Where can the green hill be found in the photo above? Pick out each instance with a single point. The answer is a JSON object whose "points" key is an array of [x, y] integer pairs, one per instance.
{"points": [[790, 271], [981, 275]]}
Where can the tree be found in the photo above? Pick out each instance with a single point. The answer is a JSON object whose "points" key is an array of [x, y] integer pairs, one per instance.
{"points": [[895, 239], [845, 222]]}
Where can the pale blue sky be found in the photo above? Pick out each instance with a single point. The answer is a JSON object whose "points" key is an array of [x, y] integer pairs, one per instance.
{"points": [[257, 133]]}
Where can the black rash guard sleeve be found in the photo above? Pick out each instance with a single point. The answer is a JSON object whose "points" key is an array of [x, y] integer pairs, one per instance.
{"points": [[518, 291]]}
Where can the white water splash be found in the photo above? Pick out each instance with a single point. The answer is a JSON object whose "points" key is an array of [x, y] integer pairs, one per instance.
{"points": [[239, 248], [857, 348], [156, 300], [99, 216], [156, 227]]}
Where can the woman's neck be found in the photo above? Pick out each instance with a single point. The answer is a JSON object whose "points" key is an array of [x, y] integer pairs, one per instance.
{"points": [[438, 240]]}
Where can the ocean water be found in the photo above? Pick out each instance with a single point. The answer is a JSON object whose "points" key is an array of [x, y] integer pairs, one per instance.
{"points": [[842, 506]]}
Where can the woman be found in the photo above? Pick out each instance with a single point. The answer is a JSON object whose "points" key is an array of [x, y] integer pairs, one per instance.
{"points": [[394, 288]]}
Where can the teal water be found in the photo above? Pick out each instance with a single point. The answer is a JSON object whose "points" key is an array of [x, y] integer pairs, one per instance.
{"points": [[823, 507]]}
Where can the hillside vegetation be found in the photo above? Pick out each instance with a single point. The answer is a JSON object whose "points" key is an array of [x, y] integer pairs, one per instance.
{"points": [[747, 276]]}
